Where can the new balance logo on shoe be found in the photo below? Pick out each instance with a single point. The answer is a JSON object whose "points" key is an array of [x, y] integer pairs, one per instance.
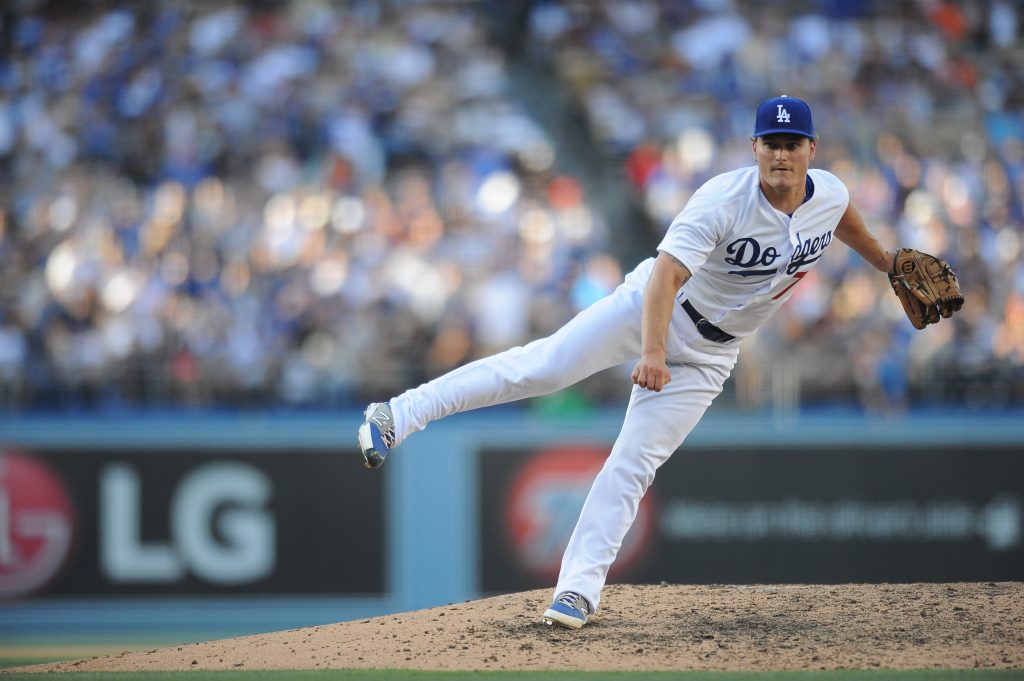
{"points": [[384, 422]]}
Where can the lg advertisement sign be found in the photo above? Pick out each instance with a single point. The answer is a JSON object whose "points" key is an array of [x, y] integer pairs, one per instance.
{"points": [[221, 528], [36, 524], [152, 522]]}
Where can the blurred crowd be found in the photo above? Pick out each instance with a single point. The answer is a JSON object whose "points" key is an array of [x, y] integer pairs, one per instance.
{"points": [[305, 203], [315, 204], [919, 107]]}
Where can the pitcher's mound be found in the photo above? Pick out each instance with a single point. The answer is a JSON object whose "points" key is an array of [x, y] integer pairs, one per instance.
{"points": [[667, 627]]}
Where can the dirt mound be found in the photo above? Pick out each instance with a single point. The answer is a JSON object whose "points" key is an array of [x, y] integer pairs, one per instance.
{"points": [[666, 627]]}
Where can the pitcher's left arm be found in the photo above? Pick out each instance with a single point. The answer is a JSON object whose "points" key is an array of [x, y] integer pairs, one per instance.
{"points": [[853, 231]]}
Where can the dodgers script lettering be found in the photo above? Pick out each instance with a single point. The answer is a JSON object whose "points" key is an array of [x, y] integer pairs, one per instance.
{"points": [[747, 253]]}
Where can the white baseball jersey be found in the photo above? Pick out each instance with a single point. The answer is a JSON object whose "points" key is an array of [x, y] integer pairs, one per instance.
{"points": [[746, 256]]}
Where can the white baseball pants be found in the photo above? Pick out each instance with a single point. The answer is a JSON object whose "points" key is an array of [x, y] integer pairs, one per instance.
{"points": [[604, 335]]}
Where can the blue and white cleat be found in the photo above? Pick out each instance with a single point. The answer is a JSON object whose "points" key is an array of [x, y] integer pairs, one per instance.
{"points": [[569, 610], [377, 434]]}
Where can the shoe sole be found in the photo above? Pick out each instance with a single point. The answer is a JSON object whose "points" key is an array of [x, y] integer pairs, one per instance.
{"points": [[554, 617], [371, 457]]}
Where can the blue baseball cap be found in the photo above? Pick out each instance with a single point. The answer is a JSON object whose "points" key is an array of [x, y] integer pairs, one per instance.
{"points": [[784, 114]]}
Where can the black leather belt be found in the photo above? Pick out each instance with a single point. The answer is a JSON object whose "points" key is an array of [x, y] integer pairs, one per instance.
{"points": [[706, 328]]}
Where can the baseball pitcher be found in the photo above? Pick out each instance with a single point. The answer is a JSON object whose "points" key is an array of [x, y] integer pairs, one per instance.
{"points": [[730, 259]]}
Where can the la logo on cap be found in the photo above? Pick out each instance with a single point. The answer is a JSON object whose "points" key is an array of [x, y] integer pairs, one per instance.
{"points": [[783, 115]]}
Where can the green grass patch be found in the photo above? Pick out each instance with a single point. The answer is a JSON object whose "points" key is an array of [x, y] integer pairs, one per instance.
{"points": [[6, 662], [403, 675]]}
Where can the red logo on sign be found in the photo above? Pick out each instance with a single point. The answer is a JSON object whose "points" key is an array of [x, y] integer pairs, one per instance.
{"points": [[36, 521], [545, 500]]}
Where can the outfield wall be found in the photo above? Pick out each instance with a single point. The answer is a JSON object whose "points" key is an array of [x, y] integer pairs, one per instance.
{"points": [[201, 526]]}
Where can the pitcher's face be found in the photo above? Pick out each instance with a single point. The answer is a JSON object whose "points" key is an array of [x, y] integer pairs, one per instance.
{"points": [[782, 160]]}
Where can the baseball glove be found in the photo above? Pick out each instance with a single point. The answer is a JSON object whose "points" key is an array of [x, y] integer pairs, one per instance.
{"points": [[926, 286]]}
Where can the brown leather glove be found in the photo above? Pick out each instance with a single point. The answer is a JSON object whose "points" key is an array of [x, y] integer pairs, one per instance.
{"points": [[926, 286]]}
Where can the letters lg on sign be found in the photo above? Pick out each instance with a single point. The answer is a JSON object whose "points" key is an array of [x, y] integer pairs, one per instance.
{"points": [[220, 528]]}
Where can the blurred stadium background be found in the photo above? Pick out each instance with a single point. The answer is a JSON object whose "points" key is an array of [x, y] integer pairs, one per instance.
{"points": [[225, 226]]}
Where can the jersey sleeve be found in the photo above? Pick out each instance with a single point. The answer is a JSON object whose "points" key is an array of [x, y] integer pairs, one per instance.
{"points": [[835, 188], [695, 232]]}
